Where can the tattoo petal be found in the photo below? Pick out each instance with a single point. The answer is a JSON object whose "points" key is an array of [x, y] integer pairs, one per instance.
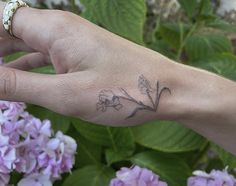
{"points": [[144, 85], [118, 107], [108, 99]]}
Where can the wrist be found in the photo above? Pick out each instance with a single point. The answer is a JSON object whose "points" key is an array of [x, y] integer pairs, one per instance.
{"points": [[196, 95], [205, 97], [206, 103]]}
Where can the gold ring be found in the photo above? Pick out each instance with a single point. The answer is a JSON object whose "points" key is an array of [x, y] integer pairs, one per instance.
{"points": [[8, 13]]}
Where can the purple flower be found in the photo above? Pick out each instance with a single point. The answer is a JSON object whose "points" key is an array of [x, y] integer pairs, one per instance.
{"points": [[35, 127], [26, 163], [4, 179], [214, 178], [136, 176], [36, 180], [58, 156], [7, 159], [28, 146]]}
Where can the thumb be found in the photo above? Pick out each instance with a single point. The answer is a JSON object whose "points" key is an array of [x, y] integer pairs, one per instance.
{"points": [[17, 85]]}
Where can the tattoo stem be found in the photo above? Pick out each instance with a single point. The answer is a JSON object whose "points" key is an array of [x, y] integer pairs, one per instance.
{"points": [[150, 97], [107, 98]]}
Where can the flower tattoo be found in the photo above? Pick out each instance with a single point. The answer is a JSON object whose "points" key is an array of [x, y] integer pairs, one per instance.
{"points": [[108, 98]]}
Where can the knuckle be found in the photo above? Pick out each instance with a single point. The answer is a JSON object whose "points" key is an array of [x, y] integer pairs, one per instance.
{"points": [[59, 21], [7, 82]]}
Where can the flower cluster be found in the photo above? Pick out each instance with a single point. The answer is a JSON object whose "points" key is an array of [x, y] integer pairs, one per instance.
{"points": [[214, 178], [135, 176], [28, 146]]}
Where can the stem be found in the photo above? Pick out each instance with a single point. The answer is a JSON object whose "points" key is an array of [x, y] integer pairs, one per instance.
{"points": [[73, 6], [159, 96], [150, 97], [138, 103], [184, 40], [201, 154], [138, 109]]}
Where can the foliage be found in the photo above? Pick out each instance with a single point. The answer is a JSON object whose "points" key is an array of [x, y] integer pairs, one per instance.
{"points": [[198, 38], [119, 16]]}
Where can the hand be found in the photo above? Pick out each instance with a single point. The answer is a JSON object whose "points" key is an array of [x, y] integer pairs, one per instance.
{"points": [[106, 79], [100, 77]]}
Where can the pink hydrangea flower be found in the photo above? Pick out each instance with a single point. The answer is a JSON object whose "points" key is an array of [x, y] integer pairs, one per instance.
{"points": [[135, 176], [214, 178], [58, 156], [4, 179], [29, 146], [7, 159], [36, 180]]}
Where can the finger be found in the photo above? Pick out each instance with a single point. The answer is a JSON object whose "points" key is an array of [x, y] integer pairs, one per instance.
{"points": [[16, 85], [37, 28], [65, 93], [29, 62], [9, 46], [39, 89]]}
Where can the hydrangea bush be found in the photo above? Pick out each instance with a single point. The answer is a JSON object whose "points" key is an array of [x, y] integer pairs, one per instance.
{"points": [[29, 146], [136, 176], [159, 153], [215, 177]]}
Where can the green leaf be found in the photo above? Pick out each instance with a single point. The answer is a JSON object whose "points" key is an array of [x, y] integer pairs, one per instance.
{"points": [[89, 12], [171, 33], [113, 157], [170, 169], [189, 6], [45, 70], [223, 26], [222, 64], [90, 176], [214, 163], [206, 8], [59, 122], [119, 139], [88, 152], [15, 56], [202, 45], [162, 47], [125, 18], [15, 177], [167, 137], [227, 158]]}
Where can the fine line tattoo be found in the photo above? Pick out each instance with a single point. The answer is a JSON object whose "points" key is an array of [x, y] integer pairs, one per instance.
{"points": [[107, 98]]}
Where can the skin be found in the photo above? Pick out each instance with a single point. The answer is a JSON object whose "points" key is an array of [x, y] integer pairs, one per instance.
{"points": [[89, 59]]}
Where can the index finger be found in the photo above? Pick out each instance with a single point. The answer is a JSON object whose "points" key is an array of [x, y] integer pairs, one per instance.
{"points": [[37, 28]]}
